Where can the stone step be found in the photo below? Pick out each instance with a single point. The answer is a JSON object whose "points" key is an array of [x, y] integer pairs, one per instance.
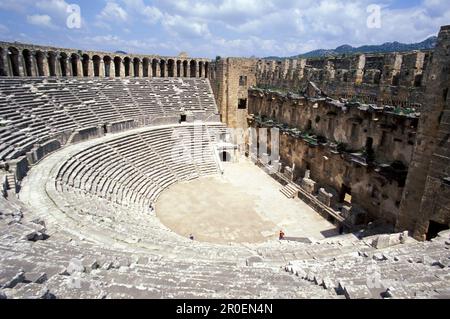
{"points": [[289, 191]]}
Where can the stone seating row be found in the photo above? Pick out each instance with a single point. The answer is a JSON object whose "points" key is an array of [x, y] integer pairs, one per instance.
{"points": [[134, 169], [410, 270], [33, 110]]}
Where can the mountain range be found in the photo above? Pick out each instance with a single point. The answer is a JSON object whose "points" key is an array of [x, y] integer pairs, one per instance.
{"points": [[346, 49]]}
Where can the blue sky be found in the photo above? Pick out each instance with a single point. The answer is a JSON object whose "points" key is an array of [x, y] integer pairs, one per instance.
{"points": [[208, 28]]}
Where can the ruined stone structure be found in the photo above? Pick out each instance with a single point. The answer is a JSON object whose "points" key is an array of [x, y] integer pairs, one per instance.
{"points": [[90, 140], [18, 59], [231, 78], [426, 202], [392, 79], [352, 122], [353, 149], [385, 79]]}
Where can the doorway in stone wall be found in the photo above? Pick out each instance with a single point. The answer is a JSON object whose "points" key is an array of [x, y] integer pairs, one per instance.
{"points": [[225, 156], [434, 228]]}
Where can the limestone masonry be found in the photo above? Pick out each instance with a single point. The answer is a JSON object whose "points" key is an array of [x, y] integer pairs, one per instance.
{"points": [[89, 141]]}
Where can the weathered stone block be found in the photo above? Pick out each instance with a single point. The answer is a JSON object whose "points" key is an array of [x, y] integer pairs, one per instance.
{"points": [[327, 198], [309, 185], [75, 266], [383, 241], [36, 277]]}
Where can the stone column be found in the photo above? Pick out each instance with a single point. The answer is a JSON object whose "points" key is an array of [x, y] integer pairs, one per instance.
{"points": [[284, 69], [139, 68], [68, 67], [143, 69], [158, 69], [90, 67], [122, 68], [175, 68], [79, 67], [20, 62], [188, 69], [112, 69], [58, 70], [3, 61], [101, 71], [32, 65], [360, 63], [150, 68], [391, 67], [45, 66], [166, 69]]}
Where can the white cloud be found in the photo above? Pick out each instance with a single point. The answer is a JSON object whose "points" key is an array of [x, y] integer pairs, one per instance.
{"points": [[40, 20], [15, 5], [150, 14], [113, 12], [236, 27], [103, 25], [185, 27], [113, 42], [227, 10], [56, 7]]}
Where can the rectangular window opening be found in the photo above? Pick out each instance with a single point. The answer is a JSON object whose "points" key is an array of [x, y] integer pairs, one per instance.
{"points": [[242, 104]]}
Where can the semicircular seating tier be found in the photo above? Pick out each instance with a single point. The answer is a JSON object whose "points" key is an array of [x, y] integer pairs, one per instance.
{"points": [[34, 110]]}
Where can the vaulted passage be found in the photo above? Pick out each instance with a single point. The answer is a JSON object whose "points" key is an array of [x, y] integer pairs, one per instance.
{"points": [[96, 62], [154, 68], [51, 60], [225, 156], [107, 63], [136, 67], [63, 64], [171, 68], [185, 69], [200, 69], [117, 64], [178, 69], [435, 228], [193, 69], [28, 60], [74, 61], [163, 68], [85, 65], [126, 63], [13, 59], [40, 63], [145, 66]]}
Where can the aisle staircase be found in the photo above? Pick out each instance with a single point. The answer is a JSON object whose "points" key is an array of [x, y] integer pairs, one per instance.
{"points": [[290, 191]]}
